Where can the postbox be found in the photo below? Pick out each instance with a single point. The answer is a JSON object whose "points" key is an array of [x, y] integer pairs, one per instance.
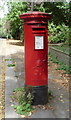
{"points": [[36, 54]]}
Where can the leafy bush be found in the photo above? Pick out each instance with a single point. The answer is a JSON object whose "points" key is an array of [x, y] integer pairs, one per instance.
{"points": [[16, 25], [3, 34], [58, 34]]}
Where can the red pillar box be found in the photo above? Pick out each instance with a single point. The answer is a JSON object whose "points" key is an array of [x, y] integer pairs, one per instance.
{"points": [[36, 54]]}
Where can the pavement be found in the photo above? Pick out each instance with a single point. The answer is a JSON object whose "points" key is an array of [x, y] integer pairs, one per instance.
{"points": [[14, 77]]}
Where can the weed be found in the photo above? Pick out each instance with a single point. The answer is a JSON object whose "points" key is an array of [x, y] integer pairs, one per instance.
{"points": [[9, 59], [61, 66], [64, 48], [25, 102], [19, 89], [49, 54], [50, 94], [53, 59], [11, 65]]}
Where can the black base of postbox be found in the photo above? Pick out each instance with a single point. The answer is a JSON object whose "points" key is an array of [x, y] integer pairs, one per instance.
{"points": [[40, 95]]}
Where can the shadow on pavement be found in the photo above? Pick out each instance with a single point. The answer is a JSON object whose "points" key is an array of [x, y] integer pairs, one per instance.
{"points": [[18, 43]]}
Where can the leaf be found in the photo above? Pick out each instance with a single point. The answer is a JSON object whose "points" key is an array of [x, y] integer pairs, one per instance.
{"points": [[67, 110], [12, 105], [61, 96], [62, 101], [15, 106], [27, 106]]}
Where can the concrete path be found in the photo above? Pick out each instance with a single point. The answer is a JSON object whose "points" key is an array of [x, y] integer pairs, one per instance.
{"points": [[7, 87], [10, 84], [15, 78]]}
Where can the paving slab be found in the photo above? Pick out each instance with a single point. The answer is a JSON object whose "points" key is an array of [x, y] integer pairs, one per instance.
{"points": [[11, 82], [10, 85]]}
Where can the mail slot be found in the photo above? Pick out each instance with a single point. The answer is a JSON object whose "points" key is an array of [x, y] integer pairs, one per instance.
{"points": [[38, 29], [36, 54]]}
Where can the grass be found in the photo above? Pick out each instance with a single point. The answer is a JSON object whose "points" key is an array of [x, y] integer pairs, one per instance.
{"points": [[61, 66], [50, 95]]}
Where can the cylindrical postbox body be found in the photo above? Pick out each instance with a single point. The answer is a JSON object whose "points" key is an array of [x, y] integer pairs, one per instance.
{"points": [[36, 54]]}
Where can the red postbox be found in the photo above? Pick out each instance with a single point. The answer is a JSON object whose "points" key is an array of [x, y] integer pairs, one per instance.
{"points": [[36, 54]]}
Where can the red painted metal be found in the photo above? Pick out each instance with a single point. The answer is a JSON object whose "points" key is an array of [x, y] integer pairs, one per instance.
{"points": [[36, 60]]}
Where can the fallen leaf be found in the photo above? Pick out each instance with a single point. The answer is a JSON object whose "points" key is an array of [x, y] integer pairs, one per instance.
{"points": [[58, 88], [23, 116], [43, 107], [12, 105], [62, 101], [11, 101], [67, 110], [30, 114], [61, 96]]}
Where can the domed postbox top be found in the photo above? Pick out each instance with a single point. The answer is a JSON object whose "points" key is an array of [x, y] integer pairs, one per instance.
{"points": [[35, 14], [29, 16]]}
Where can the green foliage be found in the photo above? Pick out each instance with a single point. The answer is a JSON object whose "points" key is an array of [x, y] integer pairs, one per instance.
{"points": [[58, 33], [69, 37], [9, 59], [61, 65], [60, 11], [16, 25], [60, 15], [58, 27], [53, 59], [11, 65], [19, 89], [64, 48], [50, 92], [50, 95], [25, 102], [2, 28]]}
